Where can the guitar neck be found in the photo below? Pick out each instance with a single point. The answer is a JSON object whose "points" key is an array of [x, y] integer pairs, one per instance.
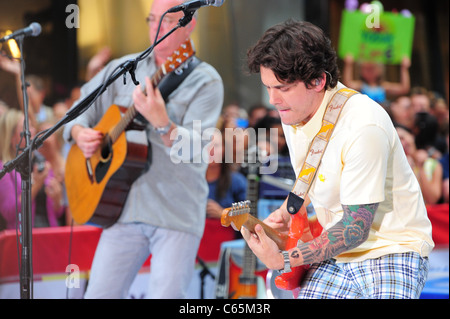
{"points": [[249, 257]]}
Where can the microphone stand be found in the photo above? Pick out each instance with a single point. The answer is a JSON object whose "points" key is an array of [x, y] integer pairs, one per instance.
{"points": [[22, 162], [205, 272], [26, 271]]}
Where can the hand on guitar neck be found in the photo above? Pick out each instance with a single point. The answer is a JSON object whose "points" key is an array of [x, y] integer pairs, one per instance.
{"points": [[150, 104], [280, 231], [270, 241]]}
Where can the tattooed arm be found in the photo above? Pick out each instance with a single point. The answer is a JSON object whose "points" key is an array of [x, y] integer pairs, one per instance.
{"points": [[350, 232]]}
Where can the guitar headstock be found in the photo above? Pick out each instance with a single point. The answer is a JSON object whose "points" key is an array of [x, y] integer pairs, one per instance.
{"points": [[180, 56], [236, 215]]}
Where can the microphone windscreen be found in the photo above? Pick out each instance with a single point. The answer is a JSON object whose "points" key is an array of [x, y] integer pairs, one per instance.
{"points": [[35, 29]]}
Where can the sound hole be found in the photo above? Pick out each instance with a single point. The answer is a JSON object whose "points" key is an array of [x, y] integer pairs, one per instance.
{"points": [[105, 162]]}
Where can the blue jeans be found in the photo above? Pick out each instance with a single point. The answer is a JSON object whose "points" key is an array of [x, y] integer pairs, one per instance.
{"points": [[122, 250]]}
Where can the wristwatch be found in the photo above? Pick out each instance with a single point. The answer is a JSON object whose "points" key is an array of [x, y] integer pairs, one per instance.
{"points": [[164, 130], [287, 263]]}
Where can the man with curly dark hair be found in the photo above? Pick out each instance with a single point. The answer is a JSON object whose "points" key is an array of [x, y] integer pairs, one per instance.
{"points": [[376, 235]]}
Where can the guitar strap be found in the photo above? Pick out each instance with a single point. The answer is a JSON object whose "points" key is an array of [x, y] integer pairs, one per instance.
{"points": [[175, 78], [312, 162]]}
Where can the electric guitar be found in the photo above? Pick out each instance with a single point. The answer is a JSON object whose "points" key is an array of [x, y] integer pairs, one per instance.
{"points": [[97, 187], [243, 283], [239, 216]]}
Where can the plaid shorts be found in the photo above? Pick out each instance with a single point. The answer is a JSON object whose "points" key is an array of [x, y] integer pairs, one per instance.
{"points": [[396, 276]]}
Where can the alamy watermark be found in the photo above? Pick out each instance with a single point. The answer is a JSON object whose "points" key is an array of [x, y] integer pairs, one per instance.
{"points": [[73, 276], [232, 146], [373, 19], [73, 19]]}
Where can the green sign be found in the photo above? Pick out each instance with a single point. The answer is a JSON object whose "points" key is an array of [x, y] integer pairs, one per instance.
{"points": [[383, 37]]}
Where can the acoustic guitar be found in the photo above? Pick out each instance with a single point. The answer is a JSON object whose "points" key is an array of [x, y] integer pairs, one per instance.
{"points": [[239, 216], [97, 187]]}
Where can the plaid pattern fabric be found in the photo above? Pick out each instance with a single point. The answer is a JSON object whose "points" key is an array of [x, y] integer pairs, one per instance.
{"points": [[396, 276]]}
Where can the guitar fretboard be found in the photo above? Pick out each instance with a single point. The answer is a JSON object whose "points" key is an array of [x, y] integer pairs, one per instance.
{"points": [[249, 263], [131, 113]]}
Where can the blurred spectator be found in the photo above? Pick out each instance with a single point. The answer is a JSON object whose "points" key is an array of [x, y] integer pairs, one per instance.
{"points": [[75, 94], [233, 123], [60, 109], [269, 123], [36, 97], [276, 148], [439, 108], [36, 91], [225, 185], [52, 149], [273, 112], [426, 131], [427, 169], [12, 66], [97, 63], [51, 201], [420, 100], [256, 113], [11, 127], [233, 116], [401, 111], [445, 165], [372, 81], [426, 125]]}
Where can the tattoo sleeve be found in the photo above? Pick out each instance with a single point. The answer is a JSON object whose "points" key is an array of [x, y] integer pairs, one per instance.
{"points": [[350, 232]]}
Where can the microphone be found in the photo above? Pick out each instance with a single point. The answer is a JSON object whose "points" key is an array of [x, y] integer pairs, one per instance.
{"points": [[196, 4], [33, 30]]}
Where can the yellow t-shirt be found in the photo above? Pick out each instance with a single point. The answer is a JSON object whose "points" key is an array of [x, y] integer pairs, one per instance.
{"points": [[364, 163]]}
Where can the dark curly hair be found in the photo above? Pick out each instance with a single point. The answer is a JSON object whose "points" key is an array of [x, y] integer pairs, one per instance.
{"points": [[295, 51]]}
